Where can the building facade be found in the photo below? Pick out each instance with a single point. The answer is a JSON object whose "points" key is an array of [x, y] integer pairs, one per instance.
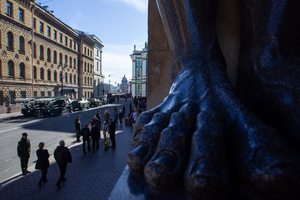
{"points": [[98, 76], [139, 71], [40, 55]]}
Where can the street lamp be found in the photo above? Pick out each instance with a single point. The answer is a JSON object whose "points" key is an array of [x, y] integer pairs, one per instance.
{"points": [[109, 86], [62, 76]]}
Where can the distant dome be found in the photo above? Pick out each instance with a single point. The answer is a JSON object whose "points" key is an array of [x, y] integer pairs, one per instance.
{"points": [[124, 80]]}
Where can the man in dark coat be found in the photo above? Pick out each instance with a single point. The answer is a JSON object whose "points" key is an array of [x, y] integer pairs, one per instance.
{"points": [[112, 133], [78, 128], [85, 132], [62, 156], [99, 117], [95, 136], [24, 152], [42, 162]]}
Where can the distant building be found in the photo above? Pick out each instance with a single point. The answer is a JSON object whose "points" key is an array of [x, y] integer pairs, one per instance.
{"points": [[139, 71], [98, 76], [124, 85]]}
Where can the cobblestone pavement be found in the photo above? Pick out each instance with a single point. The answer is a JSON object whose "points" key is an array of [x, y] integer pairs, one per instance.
{"points": [[90, 176]]}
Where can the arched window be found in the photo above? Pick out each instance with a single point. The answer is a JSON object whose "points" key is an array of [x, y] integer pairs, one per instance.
{"points": [[34, 72], [10, 40], [49, 75], [48, 55], [22, 70], [88, 80], [66, 77], [60, 59], [85, 80], [66, 59], [85, 66], [41, 52], [70, 78], [74, 63], [10, 68], [42, 74], [74, 79], [34, 50], [55, 76], [21, 44], [88, 67], [139, 74], [54, 57], [61, 76], [70, 61]]}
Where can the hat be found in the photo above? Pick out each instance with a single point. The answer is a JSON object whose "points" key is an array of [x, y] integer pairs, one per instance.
{"points": [[24, 134], [78, 115]]}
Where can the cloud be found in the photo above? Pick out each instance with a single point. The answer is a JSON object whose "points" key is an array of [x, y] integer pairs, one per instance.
{"points": [[140, 5]]}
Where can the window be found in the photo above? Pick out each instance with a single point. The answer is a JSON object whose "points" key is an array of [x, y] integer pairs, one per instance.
{"points": [[54, 57], [74, 79], [66, 77], [55, 76], [21, 43], [23, 94], [54, 34], [85, 50], [10, 65], [9, 8], [41, 27], [34, 72], [42, 93], [49, 94], [41, 52], [85, 80], [139, 62], [12, 97], [60, 59], [48, 31], [10, 40], [70, 43], [74, 63], [91, 81], [70, 61], [35, 94], [97, 66], [49, 75], [42, 74], [139, 74], [66, 41], [34, 23], [70, 78], [22, 70], [74, 45], [60, 38], [61, 76], [66, 59], [48, 55], [88, 67], [34, 50], [88, 52], [21, 15]]}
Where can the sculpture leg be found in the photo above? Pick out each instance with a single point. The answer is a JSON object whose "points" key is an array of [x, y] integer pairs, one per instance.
{"points": [[184, 138], [269, 69]]}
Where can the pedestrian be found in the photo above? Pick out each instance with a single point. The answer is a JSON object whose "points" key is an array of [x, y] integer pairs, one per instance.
{"points": [[112, 133], [24, 153], [62, 156], [135, 115], [95, 120], [78, 128], [106, 115], [95, 136], [105, 129], [124, 111], [120, 116], [116, 116], [42, 162], [98, 115], [86, 133]]}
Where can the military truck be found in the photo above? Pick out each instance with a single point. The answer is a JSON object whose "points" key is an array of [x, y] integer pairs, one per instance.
{"points": [[60, 106], [94, 102], [80, 104]]}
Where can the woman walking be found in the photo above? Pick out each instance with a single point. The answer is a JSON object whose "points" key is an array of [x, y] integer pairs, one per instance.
{"points": [[42, 162]]}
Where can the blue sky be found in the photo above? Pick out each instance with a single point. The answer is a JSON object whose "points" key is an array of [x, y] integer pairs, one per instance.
{"points": [[119, 24]]}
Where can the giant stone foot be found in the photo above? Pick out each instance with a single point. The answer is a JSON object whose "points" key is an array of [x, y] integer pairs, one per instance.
{"points": [[188, 135]]}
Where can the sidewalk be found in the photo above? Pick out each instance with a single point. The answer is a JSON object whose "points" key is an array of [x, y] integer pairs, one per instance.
{"points": [[90, 176]]}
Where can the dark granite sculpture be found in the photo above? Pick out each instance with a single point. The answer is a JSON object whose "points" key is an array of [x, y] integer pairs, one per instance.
{"points": [[202, 134]]}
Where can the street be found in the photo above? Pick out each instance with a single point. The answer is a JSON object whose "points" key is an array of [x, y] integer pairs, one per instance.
{"points": [[48, 130]]}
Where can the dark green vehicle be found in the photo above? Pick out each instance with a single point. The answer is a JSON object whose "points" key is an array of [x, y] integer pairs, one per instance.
{"points": [[80, 104], [60, 106], [94, 102]]}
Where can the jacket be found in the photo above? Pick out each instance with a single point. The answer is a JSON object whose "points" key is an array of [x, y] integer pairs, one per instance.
{"points": [[85, 132], [43, 161], [95, 132], [77, 125], [23, 148], [62, 155]]}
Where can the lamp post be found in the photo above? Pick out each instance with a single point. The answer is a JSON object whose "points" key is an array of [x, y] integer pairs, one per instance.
{"points": [[62, 77], [109, 86]]}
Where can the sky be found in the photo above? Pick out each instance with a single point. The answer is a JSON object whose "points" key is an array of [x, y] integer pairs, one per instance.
{"points": [[119, 24]]}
